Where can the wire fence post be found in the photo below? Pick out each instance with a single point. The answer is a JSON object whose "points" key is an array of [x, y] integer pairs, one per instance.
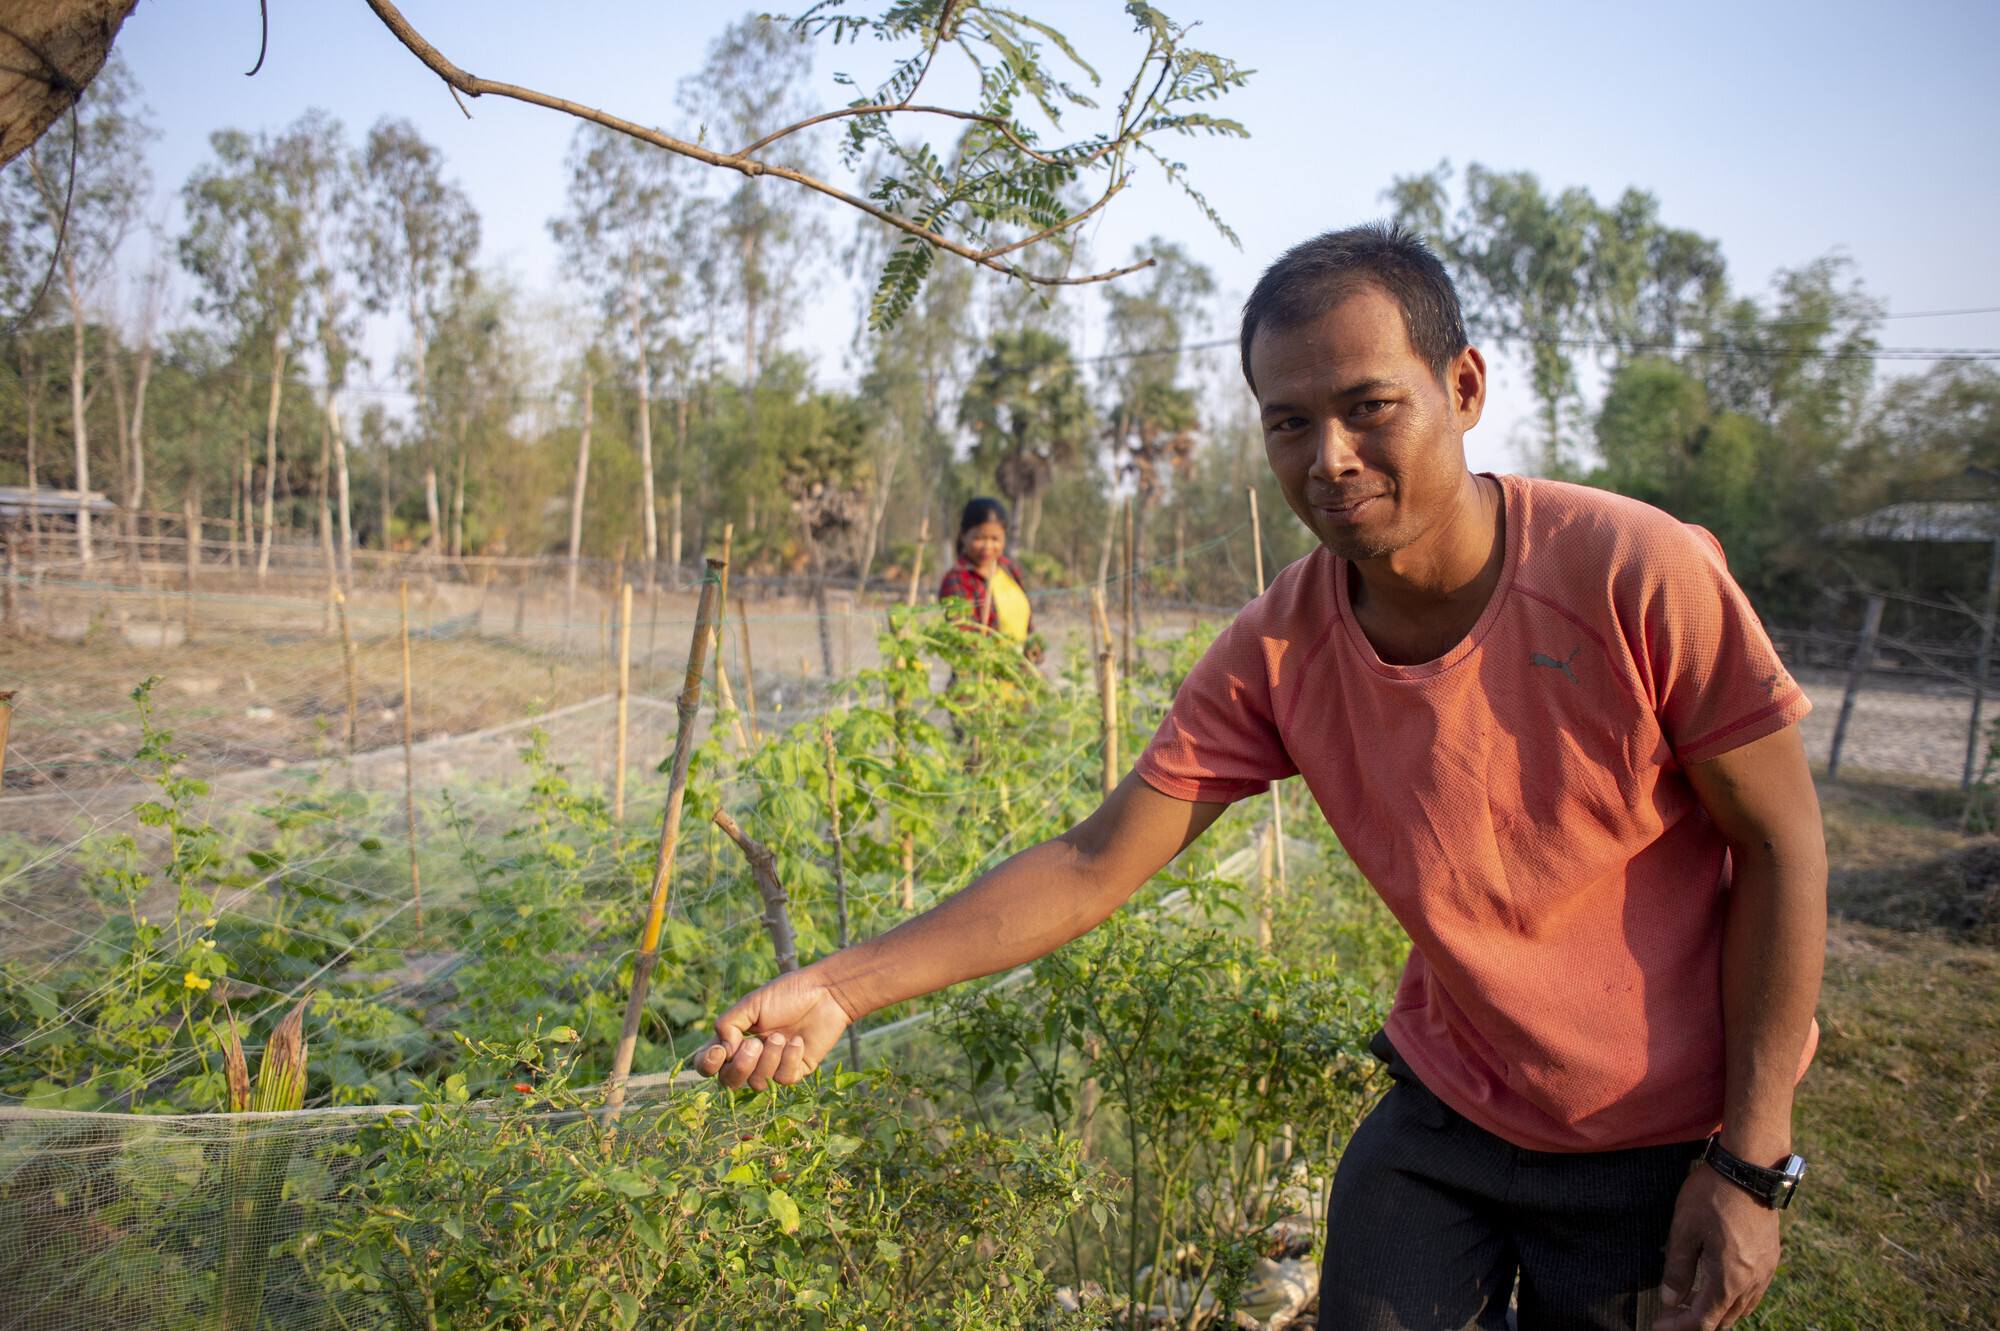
{"points": [[1864, 653], [1131, 590], [1985, 663], [410, 757], [624, 700], [670, 830]]}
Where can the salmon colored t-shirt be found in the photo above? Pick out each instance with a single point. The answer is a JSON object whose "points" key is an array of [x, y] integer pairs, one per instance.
{"points": [[1520, 803]]}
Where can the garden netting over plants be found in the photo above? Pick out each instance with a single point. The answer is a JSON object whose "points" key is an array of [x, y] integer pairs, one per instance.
{"points": [[218, 834]]}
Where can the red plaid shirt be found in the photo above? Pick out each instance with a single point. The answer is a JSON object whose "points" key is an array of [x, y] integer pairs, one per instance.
{"points": [[964, 581]]}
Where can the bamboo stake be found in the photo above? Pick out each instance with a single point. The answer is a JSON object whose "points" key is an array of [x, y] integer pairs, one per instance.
{"points": [[410, 758], [1256, 537], [721, 642], [6, 716], [670, 831], [624, 698], [1107, 683], [764, 872], [193, 566], [749, 670], [839, 871], [917, 564], [347, 656], [1277, 800]]}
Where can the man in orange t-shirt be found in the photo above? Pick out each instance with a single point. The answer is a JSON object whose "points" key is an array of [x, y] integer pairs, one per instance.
{"points": [[1550, 731]]}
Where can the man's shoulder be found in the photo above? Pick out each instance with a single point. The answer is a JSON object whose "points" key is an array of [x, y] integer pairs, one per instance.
{"points": [[1578, 532]]}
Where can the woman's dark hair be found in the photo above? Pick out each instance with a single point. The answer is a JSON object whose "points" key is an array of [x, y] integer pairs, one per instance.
{"points": [[1310, 279], [979, 512]]}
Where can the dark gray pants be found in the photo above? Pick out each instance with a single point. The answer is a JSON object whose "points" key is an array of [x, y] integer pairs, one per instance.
{"points": [[1433, 1221]]}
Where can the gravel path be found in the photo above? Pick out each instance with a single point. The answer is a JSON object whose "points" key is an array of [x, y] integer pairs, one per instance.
{"points": [[1906, 732]]}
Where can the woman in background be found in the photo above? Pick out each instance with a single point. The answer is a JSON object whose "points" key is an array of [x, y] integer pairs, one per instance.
{"points": [[985, 576]]}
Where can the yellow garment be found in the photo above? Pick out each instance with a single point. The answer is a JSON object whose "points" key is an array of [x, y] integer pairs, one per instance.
{"points": [[1010, 605]]}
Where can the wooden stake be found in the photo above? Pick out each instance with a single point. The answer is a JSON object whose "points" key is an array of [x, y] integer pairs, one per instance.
{"points": [[721, 641], [764, 872], [1277, 803], [749, 670], [670, 830], [839, 871], [1107, 684], [410, 758], [917, 564], [6, 716], [624, 699], [193, 567], [347, 657], [12, 575], [1256, 538]]}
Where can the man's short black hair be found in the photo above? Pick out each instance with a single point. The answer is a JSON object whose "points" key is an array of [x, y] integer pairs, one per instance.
{"points": [[1310, 279]]}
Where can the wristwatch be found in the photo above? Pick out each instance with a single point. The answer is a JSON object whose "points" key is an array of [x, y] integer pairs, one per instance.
{"points": [[1773, 1187]]}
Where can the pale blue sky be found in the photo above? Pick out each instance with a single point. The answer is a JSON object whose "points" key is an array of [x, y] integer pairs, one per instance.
{"points": [[1786, 130]]}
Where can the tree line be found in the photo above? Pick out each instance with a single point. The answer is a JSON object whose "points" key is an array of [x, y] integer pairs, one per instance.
{"points": [[662, 394]]}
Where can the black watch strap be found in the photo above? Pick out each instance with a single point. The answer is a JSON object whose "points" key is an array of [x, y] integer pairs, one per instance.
{"points": [[1772, 1187]]}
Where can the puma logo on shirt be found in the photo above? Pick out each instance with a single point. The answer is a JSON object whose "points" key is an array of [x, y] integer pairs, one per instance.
{"points": [[1536, 658]]}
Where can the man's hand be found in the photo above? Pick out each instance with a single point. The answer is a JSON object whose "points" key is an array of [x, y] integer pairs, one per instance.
{"points": [[777, 1033], [1732, 1239]]}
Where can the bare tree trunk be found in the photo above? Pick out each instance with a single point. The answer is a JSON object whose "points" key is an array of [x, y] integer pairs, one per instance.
{"points": [[345, 501], [458, 506], [875, 512], [646, 491], [323, 502], [576, 498], [271, 451], [680, 469], [142, 376], [79, 430], [388, 509], [433, 539]]}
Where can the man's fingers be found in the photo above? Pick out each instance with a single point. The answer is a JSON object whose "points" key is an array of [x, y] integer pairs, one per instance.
{"points": [[710, 1059], [793, 1067], [767, 1061], [1677, 1290], [742, 1063]]}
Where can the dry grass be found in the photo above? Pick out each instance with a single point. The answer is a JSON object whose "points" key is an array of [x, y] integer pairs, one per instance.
{"points": [[1898, 1225]]}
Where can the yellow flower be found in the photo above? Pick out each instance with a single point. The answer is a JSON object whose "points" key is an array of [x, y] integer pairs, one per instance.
{"points": [[193, 981], [208, 923]]}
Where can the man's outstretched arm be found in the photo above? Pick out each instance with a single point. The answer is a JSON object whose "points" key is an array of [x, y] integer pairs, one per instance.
{"points": [[1773, 948], [1025, 908]]}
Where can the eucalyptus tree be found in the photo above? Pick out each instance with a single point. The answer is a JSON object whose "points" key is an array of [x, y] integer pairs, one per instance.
{"points": [[475, 363], [1011, 190], [1522, 260], [71, 200], [751, 87], [1154, 420], [329, 227], [1029, 414], [252, 214], [624, 235], [415, 235]]}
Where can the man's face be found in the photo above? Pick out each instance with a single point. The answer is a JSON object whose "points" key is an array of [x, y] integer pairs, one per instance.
{"points": [[1367, 444]]}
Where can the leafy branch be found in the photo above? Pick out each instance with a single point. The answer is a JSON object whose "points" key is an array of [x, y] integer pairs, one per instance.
{"points": [[1001, 191]]}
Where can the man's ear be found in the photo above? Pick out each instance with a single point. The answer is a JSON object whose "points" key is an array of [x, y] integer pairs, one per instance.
{"points": [[1467, 387]]}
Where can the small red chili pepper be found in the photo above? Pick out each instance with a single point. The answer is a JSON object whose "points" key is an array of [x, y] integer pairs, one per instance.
{"points": [[523, 1087]]}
